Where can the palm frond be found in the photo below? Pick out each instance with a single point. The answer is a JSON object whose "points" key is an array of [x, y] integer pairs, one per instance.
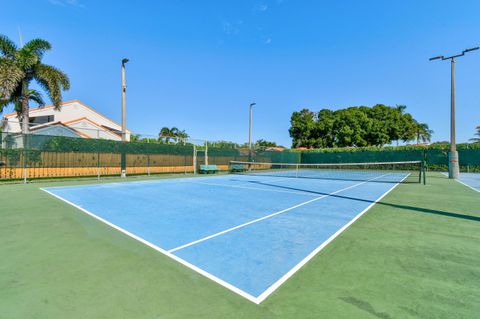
{"points": [[4, 102], [17, 106], [36, 97], [10, 77], [37, 46], [18, 67], [13, 96], [26, 60], [7, 46], [53, 81]]}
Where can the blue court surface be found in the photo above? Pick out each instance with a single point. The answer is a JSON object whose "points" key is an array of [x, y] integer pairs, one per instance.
{"points": [[471, 180], [247, 233]]}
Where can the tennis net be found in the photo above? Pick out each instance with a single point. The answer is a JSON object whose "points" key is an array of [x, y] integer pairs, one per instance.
{"points": [[386, 172]]}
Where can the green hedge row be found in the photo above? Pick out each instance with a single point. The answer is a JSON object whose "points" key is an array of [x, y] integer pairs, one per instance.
{"points": [[390, 148], [70, 144]]}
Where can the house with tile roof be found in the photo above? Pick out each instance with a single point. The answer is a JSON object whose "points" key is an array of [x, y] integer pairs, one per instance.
{"points": [[73, 119]]}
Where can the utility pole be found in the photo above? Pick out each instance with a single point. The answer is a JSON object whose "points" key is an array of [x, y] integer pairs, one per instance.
{"points": [[453, 160]]}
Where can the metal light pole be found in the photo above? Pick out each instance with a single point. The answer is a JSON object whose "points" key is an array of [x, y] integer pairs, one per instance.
{"points": [[124, 119], [250, 131], [124, 102], [453, 166]]}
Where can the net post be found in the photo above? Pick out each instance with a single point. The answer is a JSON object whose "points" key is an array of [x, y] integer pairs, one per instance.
{"points": [[296, 170], [424, 171], [420, 172], [424, 166]]}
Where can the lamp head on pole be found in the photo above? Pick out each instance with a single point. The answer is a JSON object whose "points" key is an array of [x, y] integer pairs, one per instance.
{"points": [[252, 104], [471, 49], [124, 60], [436, 58]]}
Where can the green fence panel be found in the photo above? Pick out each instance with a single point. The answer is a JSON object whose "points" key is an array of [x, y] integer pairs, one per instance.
{"points": [[362, 156], [278, 156]]}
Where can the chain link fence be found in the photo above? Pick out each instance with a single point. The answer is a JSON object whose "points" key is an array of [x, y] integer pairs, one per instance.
{"points": [[35, 156]]}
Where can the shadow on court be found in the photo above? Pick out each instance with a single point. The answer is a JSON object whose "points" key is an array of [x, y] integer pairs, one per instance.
{"points": [[405, 207]]}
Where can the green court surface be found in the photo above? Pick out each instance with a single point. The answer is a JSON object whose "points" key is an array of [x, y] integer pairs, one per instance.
{"points": [[416, 254]]}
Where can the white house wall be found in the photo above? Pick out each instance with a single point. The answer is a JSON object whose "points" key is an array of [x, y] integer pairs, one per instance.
{"points": [[12, 125], [68, 112], [93, 131]]}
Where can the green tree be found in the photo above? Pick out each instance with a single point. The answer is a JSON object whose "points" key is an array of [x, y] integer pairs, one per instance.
{"points": [[16, 100], [263, 143], [350, 127], [408, 128], [182, 134], [476, 139], [223, 144], [135, 137], [149, 140], [323, 132], [10, 75], [19, 67], [355, 126], [423, 133], [166, 134], [302, 128], [382, 121]]}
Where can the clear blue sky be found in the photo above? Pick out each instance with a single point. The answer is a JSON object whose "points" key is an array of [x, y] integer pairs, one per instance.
{"points": [[198, 64]]}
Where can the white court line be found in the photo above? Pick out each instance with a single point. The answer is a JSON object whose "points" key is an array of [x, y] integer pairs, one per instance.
{"points": [[149, 244], [256, 300], [292, 271], [269, 216], [465, 184], [255, 188], [477, 190]]}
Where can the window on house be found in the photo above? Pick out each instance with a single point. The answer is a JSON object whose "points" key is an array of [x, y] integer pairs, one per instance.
{"points": [[37, 120]]}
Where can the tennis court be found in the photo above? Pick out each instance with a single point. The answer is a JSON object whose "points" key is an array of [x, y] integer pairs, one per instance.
{"points": [[249, 233], [471, 180]]}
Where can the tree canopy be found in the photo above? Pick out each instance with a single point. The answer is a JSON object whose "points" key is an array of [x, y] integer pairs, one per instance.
{"points": [[167, 134], [19, 67], [476, 139], [264, 143], [355, 126]]}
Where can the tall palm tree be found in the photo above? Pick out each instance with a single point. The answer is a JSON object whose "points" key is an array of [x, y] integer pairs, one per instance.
{"points": [[18, 68], [182, 134], [33, 95], [135, 137], [423, 133], [167, 133], [476, 139]]}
